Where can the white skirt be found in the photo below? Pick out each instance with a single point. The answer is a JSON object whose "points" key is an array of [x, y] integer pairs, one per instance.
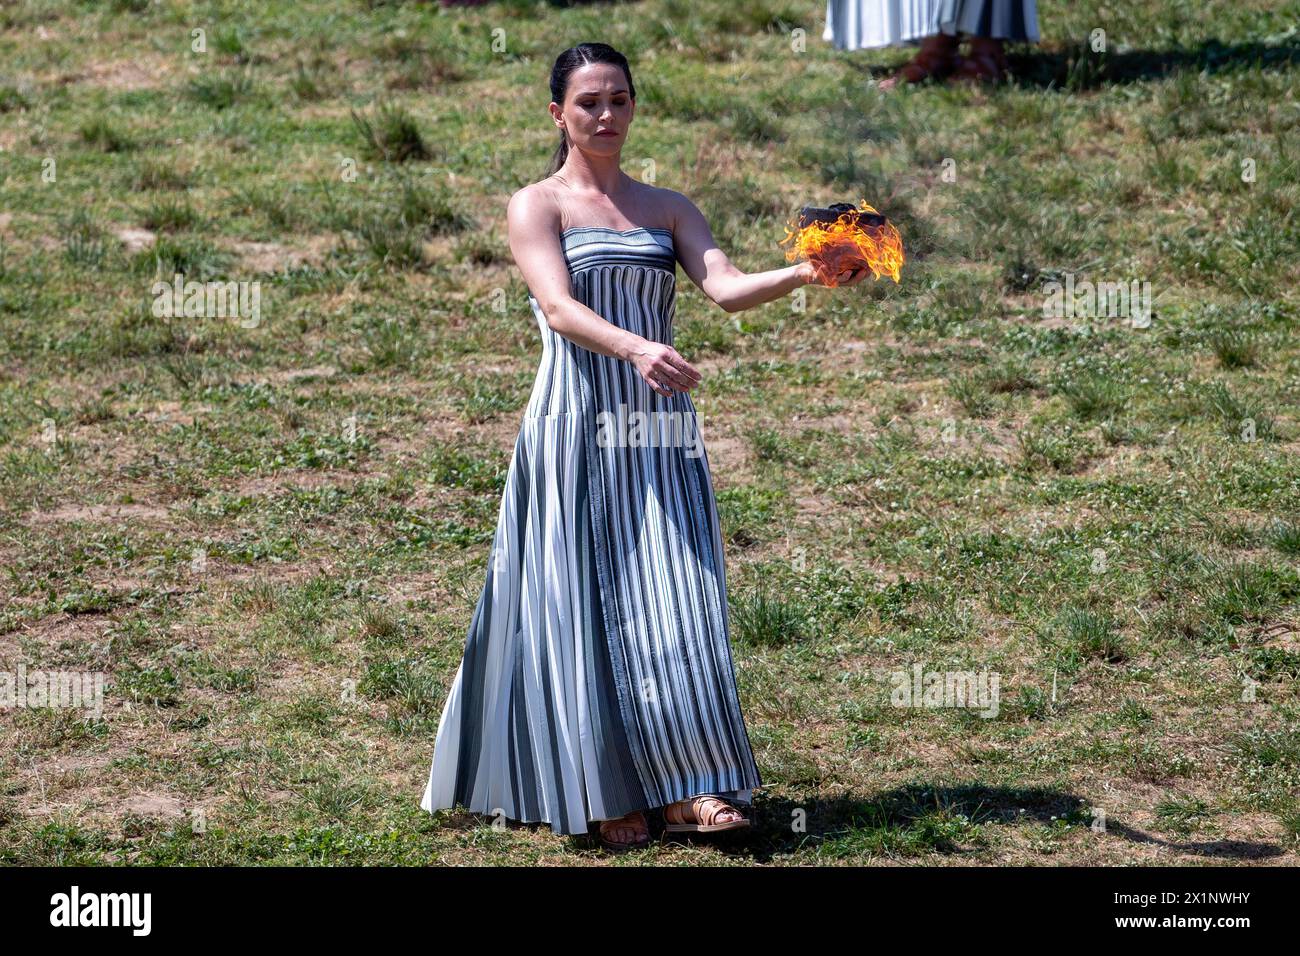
{"points": [[862, 24]]}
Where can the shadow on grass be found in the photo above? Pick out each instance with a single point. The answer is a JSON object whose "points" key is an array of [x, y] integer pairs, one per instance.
{"points": [[1075, 67], [906, 822], [916, 820]]}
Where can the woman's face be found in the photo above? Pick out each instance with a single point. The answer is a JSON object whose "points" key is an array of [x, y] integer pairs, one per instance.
{"points": [[597, 109]]}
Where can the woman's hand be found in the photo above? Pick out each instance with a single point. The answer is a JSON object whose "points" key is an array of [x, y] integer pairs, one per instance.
{"points": [[846, 277], [663, 368]]}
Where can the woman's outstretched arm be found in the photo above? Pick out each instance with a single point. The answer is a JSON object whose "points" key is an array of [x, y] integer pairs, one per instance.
{"points": [[719, 279]]}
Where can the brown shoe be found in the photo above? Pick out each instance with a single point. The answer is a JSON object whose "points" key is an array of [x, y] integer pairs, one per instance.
{"points": [[985, 63], [938, 58], [701, 815], [628, 832]]}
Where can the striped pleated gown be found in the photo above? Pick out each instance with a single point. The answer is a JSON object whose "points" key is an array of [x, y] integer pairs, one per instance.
{"points": [[597, 676], [862, 24]]}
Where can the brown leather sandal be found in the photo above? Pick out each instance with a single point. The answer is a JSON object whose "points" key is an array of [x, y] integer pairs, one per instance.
{"points": [[986, 62], [704, 811], [634, 821], [938, 58]]}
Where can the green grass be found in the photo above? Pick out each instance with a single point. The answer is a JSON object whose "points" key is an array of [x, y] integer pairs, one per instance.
{"points": [[273, 537]]}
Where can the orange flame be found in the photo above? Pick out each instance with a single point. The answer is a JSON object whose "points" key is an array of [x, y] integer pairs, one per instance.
{"points": [[845, 244]]}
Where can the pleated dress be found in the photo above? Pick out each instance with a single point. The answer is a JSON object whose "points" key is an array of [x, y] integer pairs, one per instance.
{"points": [[866, 24], [597, 676]]}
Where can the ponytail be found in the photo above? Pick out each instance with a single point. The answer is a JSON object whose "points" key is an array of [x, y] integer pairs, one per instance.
{"points": [[559, 156]]}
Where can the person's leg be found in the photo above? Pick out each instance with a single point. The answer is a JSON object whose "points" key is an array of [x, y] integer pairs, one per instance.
{"points": [[991, 24]]}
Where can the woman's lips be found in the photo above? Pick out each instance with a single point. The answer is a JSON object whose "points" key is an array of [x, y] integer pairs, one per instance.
{"points": [[607, 132]]}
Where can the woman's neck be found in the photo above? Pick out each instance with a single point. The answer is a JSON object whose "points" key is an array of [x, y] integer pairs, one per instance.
{"points": [[585, 173]]}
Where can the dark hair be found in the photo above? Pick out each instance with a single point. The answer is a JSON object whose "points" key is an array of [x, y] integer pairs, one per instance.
{"points": [[574, 58]]}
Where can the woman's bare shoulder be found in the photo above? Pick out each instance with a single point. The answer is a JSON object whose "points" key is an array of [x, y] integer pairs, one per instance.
{"points": [[668, 206], [671, 205], [533, 205]]}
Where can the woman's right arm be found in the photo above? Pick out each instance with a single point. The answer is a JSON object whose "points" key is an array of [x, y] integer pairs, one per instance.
{"points": [[533, 226]]}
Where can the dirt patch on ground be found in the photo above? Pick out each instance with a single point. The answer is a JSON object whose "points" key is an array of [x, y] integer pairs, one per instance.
{"points": [[134, 238], [277, 256], [71, 763], [154, 805], [109, 512], [299, 374], [71, 639], [172, 413], [120, 75], [728, 460], [232, 579], [857, 422], [290, 376], [427, 586], [264, 486]]}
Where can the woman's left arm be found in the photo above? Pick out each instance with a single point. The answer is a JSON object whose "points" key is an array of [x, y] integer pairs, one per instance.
{"points": [[719, 279]]}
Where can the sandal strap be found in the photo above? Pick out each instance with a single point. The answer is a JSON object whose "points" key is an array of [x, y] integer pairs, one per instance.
{"points": [[634, 820], [985, 60], [704, 813], [925, 64], [715, 807]]}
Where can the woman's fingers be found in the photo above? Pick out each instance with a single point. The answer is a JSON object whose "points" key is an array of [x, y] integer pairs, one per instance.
{"points": [[685, 368], [667, 371], [671, 376], [674, 371]]}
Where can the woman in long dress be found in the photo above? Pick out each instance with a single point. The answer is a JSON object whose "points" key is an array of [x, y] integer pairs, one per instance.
{"points": [[597, 679], [938, 26]]}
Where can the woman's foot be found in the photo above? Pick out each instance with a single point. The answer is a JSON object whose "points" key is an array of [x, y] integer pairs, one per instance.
{"points": [[938, 57], [703, 814], [986, 62], [628, 832]]}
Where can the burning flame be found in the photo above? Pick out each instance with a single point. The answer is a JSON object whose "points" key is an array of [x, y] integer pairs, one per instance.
{"points": [[845, 244]]}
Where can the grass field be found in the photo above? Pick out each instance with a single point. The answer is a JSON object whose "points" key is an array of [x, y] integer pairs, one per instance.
{"points": [[270, 536]]}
